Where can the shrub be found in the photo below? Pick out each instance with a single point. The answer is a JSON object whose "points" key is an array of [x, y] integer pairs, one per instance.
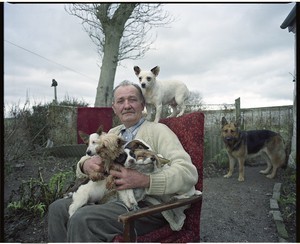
{"points": [[287, 201], [222, 158], [16, 134], [35, 195], [29, 127]]}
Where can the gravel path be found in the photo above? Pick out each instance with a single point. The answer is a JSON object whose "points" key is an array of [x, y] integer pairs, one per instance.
{"points": [[234, 211]]}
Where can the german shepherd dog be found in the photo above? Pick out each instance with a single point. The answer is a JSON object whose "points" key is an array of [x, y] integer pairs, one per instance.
{"points": [[239, 144]]}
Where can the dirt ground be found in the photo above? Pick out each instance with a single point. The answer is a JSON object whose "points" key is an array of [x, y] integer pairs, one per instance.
{"points": [[232, 211], [23, 228], [236, 211]]}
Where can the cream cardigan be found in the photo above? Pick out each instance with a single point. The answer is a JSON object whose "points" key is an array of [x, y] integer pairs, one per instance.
{"points": [[177, 179]]}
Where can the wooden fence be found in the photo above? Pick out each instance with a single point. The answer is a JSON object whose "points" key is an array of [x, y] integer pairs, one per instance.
{"points": [[279, 119]]}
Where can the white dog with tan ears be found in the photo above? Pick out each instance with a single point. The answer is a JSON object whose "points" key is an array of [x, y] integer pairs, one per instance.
{"points": [[159, 93]]}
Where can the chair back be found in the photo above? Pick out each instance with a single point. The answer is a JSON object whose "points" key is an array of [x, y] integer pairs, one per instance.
{"points": [[189, 129]]}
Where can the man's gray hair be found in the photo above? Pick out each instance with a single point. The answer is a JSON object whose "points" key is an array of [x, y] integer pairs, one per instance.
{"points": [[129, 83]]}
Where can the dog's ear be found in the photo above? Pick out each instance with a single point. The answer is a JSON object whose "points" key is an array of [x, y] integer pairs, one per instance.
{"points": [[224, 121], [137, 70], [84, 137], [155, 70], [136, 144], [163, 161], [141, 145], [99, 130], [121, 158], [121, 142]]}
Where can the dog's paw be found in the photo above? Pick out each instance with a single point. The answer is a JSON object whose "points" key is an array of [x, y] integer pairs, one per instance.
{"points": [[131, 206], [110, 183], [127, 197], [174, 198], [227, 175], [68, 195], [270, 176], [264, 171], [131, 203], [95, 176], [135, 207], [241, 178], [72, 210]]}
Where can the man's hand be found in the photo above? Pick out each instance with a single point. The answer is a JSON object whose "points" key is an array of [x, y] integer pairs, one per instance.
{"points": [[92, 165], [129, 179]]}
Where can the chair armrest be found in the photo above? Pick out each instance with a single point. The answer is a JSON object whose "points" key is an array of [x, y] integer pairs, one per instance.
{"points": [[128, 218]]}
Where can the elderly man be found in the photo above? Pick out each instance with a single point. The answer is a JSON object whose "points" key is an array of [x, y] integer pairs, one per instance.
{"points": [[99, 223]]}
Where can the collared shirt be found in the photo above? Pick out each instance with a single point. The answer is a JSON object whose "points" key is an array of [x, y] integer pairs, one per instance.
{"points": [[129, 133]]}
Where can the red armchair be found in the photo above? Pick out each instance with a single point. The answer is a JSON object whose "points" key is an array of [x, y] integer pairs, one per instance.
{"points": [[190, 130]]}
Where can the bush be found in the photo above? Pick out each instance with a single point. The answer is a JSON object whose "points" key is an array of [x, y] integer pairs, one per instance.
{"points": [[28, 128], [222, 158], [35, 195], [287, 201], [16, 134]]}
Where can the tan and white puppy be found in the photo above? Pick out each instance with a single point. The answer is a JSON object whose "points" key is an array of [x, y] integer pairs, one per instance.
{"points": [[146, 162], [159, 93], [141, 158], [109, 147]]}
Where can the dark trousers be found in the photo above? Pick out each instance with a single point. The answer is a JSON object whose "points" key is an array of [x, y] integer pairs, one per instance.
{"points": [[93, 223]]}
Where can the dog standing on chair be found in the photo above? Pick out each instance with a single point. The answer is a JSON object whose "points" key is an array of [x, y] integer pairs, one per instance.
{"points": [[239, 144], [159, 93]]}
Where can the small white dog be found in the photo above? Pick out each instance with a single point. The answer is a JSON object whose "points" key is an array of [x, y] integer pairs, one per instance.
{"points": [[159, 93], [90, 140]]}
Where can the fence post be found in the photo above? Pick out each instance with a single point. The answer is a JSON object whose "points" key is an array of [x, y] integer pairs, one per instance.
{"points": [[238, 116], [237, 103]]}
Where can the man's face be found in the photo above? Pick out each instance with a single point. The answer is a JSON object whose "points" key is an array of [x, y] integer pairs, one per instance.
{"points": [[127, 105]]}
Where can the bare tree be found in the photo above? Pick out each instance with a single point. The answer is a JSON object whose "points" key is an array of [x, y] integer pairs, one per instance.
{"points": [[120, 31], [194, 102]]}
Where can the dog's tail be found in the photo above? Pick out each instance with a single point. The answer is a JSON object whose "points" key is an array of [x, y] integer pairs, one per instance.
{"points": [[288, 148]]}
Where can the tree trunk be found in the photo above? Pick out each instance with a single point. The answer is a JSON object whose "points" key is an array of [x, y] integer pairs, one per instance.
{"points": [[107, 71], [113, 29]]}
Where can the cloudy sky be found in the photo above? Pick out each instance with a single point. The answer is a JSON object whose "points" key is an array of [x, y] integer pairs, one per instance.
{"points": [[224, 51]]}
